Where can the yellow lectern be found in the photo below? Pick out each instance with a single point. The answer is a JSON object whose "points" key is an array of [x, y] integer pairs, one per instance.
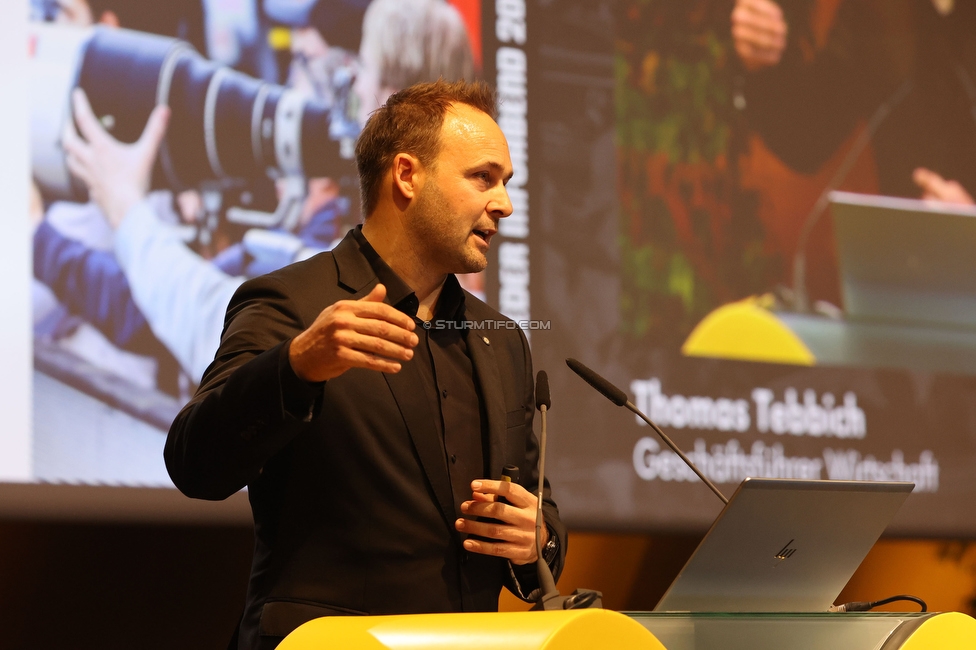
{"points": [[603, 629], [589, 629]]}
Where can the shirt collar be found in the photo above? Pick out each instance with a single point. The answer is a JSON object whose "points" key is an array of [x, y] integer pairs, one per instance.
{"points": [[398, 293], [450, 304]]}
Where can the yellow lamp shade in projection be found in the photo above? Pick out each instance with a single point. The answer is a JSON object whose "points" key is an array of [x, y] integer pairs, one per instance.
{"points": [[746, 330], [590, 629]]}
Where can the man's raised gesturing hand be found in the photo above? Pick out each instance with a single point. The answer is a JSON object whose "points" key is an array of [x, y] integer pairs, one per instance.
{"points": [[514, 534], [364, 333], [758, 33]]}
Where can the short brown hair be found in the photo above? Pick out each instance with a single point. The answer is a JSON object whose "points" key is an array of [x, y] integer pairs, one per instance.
{"points": [[410, 122]]}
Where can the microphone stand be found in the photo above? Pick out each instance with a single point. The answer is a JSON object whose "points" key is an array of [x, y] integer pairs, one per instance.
{"points": [[546, 583], [549, 598]]}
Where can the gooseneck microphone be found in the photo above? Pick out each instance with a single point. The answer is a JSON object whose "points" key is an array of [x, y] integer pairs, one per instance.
{"points": [[619, 398], [602, 386], [549, 597], [542, 402]]}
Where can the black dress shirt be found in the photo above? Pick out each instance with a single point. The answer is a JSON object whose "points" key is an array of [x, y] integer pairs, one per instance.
{"points": [[447, 374]]}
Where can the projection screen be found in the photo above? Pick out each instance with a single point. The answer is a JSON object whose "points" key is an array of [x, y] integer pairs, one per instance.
{"points": [[745, 252]]}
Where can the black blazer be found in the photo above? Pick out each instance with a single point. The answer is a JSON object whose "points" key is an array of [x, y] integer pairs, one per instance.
{"points": [[348, 480]]}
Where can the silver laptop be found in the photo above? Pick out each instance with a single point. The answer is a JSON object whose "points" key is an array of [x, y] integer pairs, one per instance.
{"points": [[783, 545], [905, 260]]}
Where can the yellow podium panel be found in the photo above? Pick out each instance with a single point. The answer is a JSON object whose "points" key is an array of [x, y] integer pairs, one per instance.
{"points": [[587, 629]]}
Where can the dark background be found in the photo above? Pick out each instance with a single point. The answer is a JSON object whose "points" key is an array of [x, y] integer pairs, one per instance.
{"points": [[68, 585], [109, 585]]}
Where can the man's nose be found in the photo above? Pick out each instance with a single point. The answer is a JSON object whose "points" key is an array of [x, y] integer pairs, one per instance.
{"points": [[501, 204]]}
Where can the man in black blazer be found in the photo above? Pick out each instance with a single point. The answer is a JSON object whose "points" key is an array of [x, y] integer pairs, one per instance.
{"points": [[369, 403]]}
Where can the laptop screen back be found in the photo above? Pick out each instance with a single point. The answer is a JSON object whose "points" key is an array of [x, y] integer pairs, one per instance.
{"points": [[784, 545], [906, 261]]}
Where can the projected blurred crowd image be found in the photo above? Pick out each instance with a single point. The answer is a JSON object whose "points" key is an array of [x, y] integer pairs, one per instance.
{"points": [[180, 148]]}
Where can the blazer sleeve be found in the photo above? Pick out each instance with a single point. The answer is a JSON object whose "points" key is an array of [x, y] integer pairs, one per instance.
{"points": [[250, 403]]}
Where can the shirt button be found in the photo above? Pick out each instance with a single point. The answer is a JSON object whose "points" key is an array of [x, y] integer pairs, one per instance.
{"points": [[453, 458], [444, 393]]}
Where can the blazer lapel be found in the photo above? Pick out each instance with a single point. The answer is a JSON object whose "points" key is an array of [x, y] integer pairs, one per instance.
{"points": [[489, 380]]}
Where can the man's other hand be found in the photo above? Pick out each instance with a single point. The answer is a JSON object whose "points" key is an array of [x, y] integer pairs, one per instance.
{"points": [[513, 536], [117, 174], [364, 333], [936, 188], [758, 33]]}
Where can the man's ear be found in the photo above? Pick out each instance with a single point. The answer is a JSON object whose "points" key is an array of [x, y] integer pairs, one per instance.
{"points": [[408, 175]]}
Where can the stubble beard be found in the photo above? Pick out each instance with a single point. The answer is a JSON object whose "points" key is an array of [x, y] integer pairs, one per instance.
{"points": [[432, 216]]}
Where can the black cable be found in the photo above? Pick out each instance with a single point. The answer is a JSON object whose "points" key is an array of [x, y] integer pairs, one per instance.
{"points": [[864, 606]]}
